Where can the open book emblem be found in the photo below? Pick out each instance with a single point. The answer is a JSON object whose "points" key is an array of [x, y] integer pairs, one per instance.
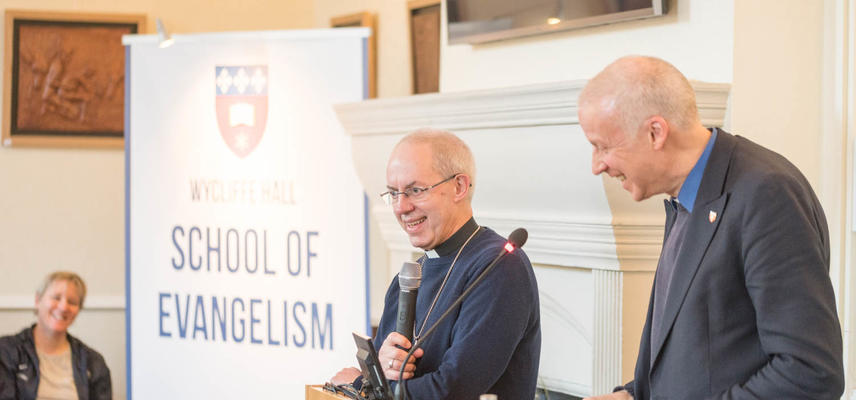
{"points": [[242, 106]]}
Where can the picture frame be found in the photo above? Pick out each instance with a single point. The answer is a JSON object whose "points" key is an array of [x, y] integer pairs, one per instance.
{"points": [[363, 19], [64, 78], [424, 24]]}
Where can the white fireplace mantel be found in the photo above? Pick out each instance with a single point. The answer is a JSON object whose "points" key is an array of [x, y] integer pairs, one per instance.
{"points": [[594, 250], [533, 166]]}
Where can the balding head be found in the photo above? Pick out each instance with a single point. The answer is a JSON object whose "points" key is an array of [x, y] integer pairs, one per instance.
{"points": [[450, 155], [635, 88], [640, 116]]}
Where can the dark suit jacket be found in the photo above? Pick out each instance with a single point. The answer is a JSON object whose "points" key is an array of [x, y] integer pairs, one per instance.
{"points": [[751, 311]]}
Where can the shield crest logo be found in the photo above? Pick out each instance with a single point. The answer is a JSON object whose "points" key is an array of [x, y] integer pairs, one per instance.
{"points": [[242, 106]]}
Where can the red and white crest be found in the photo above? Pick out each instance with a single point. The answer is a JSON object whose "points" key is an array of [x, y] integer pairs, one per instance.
{"points": [[242, 106]]}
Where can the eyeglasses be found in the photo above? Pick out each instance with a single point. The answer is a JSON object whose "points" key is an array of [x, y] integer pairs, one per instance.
{"points": [[414, 193]]}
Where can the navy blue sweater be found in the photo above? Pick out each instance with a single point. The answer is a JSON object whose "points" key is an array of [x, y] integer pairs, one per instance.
{"points": [[492, 342]]}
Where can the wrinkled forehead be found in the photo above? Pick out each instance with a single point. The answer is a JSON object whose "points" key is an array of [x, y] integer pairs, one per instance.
{"points": [[410, 162]]}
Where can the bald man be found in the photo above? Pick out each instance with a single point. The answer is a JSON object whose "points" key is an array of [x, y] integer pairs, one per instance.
{"points": [[742, 305], [491, 342]]}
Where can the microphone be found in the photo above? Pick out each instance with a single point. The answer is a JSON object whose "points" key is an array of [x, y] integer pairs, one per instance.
{"points": [[516, 240], [409, 280]]}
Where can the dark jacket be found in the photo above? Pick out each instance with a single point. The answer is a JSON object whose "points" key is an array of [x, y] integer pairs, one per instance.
{"points": [[750, 311], [19, 369]]}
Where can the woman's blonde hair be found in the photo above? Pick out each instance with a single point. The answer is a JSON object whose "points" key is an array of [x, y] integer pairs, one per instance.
{"points": [[63, 276]]}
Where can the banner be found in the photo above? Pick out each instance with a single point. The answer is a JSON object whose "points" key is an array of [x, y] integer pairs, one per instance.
{"points": [[246, 245]]}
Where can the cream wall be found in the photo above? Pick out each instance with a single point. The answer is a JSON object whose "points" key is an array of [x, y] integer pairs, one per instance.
{"points": [[775, 98], [393, 39], [696, 36], [64, 208]]}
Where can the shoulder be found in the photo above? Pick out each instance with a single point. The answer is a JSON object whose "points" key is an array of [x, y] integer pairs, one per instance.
{"points": [[490, 244], [92, 356], [8, 347], [515, 266], [9, 340], [487, 242], [22, 338], [509, 290], [761, 178], [754, 163], [392, 290], [13, 346], [764, 186]]}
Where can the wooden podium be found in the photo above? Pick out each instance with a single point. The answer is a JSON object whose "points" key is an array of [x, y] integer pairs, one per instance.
{"points": [[317, 392]]}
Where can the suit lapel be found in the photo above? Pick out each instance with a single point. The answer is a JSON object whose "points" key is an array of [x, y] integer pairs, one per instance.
{"points": [[670, 218], [671, 215], [707, 213], [700, 231]]}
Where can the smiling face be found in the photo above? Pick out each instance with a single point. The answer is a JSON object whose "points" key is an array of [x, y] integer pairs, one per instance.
{"points": [[432, 219], [58, 306], [628, 157]]}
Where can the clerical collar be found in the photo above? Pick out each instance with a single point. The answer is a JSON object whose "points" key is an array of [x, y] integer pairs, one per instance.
{"points": [[453, 243]]}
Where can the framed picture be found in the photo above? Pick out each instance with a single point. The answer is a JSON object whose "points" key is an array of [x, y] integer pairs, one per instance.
{"points": [[64, 78], [367, 20], [424, 18]]}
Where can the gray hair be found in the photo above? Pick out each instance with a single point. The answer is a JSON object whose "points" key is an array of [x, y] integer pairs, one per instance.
{"points": [[642, 87], [450, 154], [75, 279]]}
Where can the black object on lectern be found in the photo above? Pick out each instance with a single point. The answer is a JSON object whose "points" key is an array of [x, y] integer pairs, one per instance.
{"points": [[372, 371]]}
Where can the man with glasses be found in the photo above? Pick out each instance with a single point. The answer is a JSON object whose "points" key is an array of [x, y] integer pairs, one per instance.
{"points": [[491, 343]]}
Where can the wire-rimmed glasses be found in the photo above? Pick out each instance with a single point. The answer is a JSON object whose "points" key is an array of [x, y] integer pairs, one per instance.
{"points": [[414, 193]]}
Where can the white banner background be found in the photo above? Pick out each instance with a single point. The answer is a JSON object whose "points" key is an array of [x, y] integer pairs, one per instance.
{"points": [[297, 189]]}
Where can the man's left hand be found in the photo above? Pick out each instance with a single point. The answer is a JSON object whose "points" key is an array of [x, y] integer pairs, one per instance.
{"points": [[391, 356], [345, 376]]}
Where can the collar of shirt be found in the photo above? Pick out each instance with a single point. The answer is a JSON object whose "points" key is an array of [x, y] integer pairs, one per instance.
{"points": [[689, 190], [454, 242]]}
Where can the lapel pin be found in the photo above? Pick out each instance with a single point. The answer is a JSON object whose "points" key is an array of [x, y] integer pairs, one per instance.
{"points": [[712, 216]]}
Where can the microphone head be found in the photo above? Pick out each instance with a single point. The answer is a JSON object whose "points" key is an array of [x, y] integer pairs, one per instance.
{"points": [[518, 237], [410, 276]]}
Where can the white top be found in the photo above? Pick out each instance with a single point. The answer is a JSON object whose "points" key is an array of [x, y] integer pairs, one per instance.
{"points": [[56, 378]]}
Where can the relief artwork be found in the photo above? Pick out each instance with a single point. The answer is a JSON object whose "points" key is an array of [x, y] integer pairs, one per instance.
{"points": [[69, 78]]}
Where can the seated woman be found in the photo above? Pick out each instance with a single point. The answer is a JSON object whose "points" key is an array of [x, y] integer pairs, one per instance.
{"points": [[44, 361]]}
